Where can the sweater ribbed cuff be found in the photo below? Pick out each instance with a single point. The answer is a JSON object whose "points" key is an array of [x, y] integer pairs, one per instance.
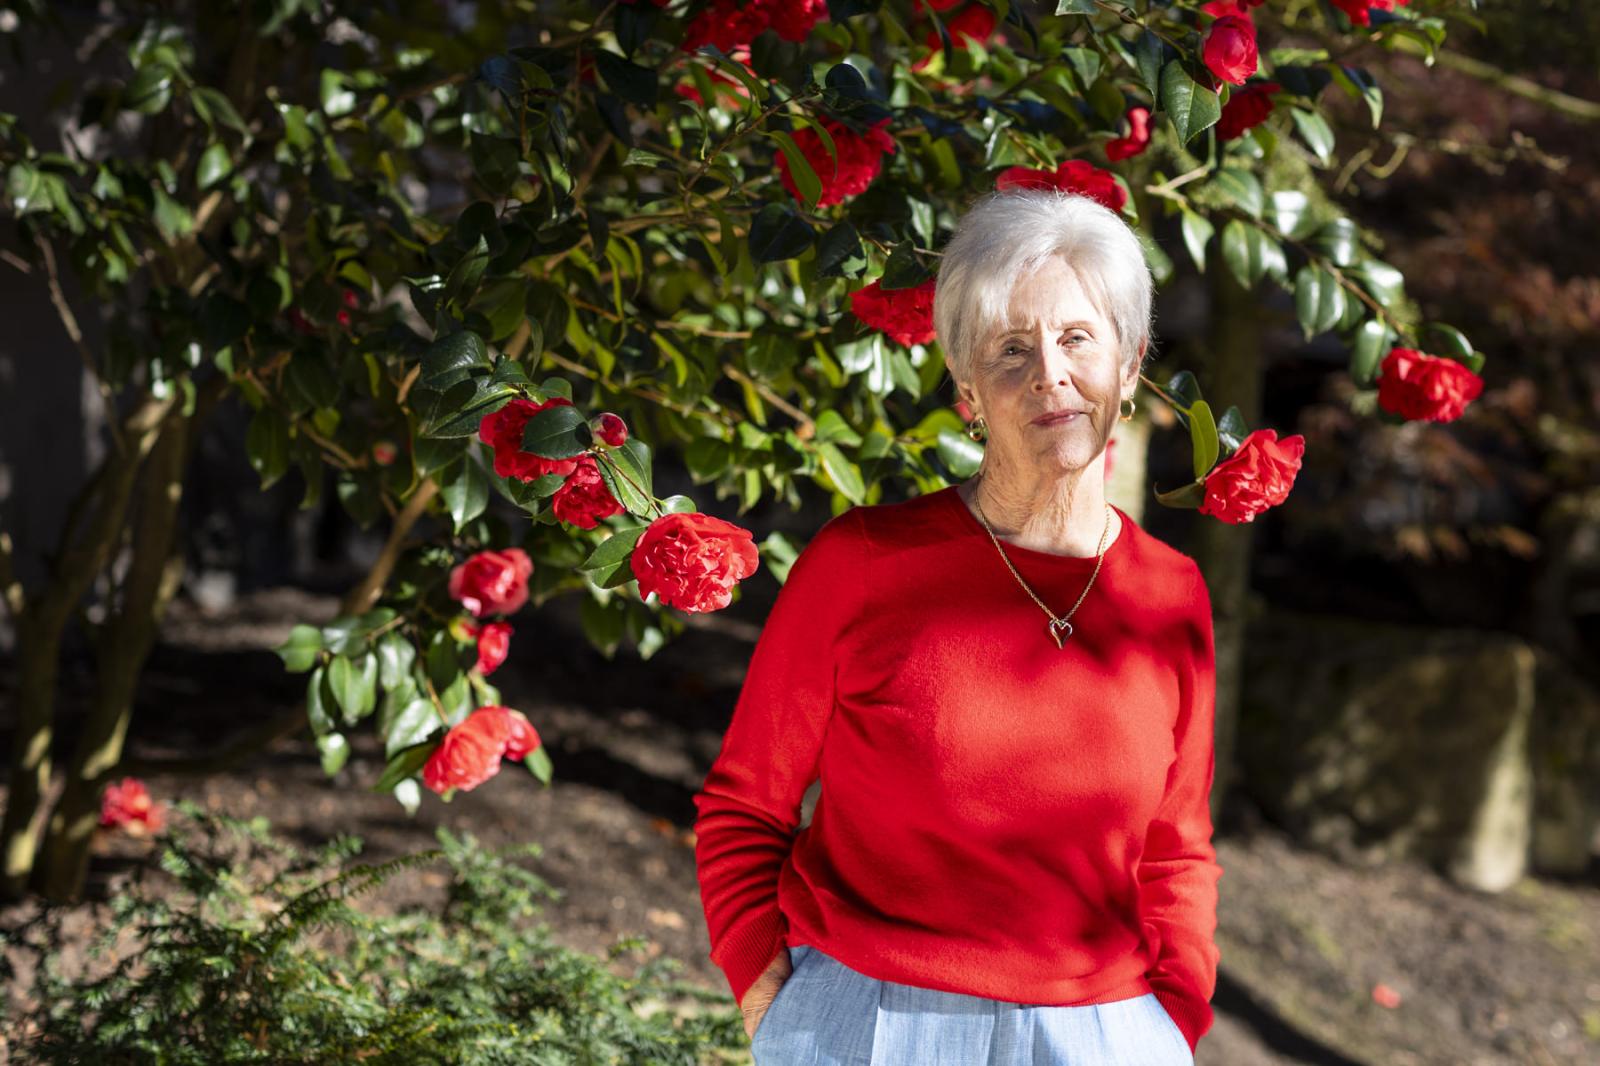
{"points": [[749, 949], [1192, 1016]]}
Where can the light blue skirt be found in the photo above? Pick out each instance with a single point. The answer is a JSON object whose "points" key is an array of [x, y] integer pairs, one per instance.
{"points": [[826, 1014]]}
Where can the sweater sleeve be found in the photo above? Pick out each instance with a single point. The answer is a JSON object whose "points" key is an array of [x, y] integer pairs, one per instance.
{"points": [[749, 806], [1178, 871]]}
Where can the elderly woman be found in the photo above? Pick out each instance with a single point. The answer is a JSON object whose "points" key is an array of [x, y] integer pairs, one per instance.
{"points": [[1006, 687]]}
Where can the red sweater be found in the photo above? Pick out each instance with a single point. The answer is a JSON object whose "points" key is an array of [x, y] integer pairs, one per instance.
{"points": [[998, 817]]}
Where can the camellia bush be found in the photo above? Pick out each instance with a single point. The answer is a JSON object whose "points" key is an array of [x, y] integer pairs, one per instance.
{"points": [[522, 254]]}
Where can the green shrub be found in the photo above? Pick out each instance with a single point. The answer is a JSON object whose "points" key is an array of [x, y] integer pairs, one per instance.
{"points": [[256, 954]]}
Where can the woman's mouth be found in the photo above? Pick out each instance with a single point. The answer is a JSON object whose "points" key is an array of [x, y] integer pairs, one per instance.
{"points": [[1059, 418]]}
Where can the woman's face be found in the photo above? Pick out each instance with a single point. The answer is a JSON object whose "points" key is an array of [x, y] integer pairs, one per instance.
{"points": [[1054, 352]]}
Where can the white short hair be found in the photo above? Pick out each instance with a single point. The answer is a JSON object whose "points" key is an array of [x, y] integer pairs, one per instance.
{"points": [[1006, 234]]}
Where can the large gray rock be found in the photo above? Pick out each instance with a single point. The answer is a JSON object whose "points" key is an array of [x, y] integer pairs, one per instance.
{"points": [[1376, 741]]}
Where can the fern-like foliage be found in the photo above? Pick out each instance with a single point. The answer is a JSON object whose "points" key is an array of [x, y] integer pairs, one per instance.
{"points": [[254, 952]]}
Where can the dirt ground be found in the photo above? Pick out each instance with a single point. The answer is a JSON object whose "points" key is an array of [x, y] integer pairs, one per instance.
{"points": [[1513, 978]]}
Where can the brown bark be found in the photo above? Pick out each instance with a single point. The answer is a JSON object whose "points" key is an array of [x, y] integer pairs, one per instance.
{"points": [[122, 646], [41, 626], [1230, 375]]}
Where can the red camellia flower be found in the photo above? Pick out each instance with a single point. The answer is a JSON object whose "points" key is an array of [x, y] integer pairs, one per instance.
{"points": [[492, 582], [692, 560], [127, 804], [905, 315], [1246, 109], [975, 23], [1137, 140], [1255, 477], [729, 23], [1236, 8], [502, 431], [1360, 10], [1074, 175], [963, 409], [1425, 388], [611, 429], [583, 499], [384, 452], [494, 644], [860, 159], [470, 753], [1230, 49]]}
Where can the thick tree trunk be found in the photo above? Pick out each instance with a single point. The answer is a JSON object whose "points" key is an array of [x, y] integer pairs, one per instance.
{"points": [[123, 644], [40, 629], [1230, 375]]}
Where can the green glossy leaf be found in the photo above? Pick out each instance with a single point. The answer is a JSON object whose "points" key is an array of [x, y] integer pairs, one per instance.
{"points": [[959, 452], [1373, 340], [300, 651], [1202, 437], [150, 90], [558, 432], [1318, 300], [410, 720], [614, 551], [214, 165], [634, 83], [321, 705], [1316, 132], [1231, 430], [396, 656], [1337, 239], [1246, 251], [1242, 187], [465, 490], [335, 750], [1453, 343], [1382, 281], [403, 764], [627, 473], [1197, 231], [844, 474], [805, 179], [452, 359], [267, 446], [538, 764], [1190, 494], [1289, 211], [1359, 84], [1192, 107], [355, 685], [778, 233], [459, 412], [408, 794]]}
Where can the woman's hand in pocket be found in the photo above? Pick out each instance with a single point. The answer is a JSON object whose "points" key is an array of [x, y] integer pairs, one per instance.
{"points": [[759, 996]]}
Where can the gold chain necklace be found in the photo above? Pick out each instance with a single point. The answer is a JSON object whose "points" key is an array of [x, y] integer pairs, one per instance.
{"points": [[1055, 625]]}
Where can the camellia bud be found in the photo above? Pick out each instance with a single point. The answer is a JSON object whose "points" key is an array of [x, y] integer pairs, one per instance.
{"points": [[611, 429], [464, 629], [384, 452], [350, 298]]}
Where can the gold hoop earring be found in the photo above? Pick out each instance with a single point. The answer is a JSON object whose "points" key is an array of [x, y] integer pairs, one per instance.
{"points": [[978, 429], [1132, 407]]}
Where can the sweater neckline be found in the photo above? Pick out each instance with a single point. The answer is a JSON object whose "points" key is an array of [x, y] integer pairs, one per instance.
{"points": [[1042, 558]]}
